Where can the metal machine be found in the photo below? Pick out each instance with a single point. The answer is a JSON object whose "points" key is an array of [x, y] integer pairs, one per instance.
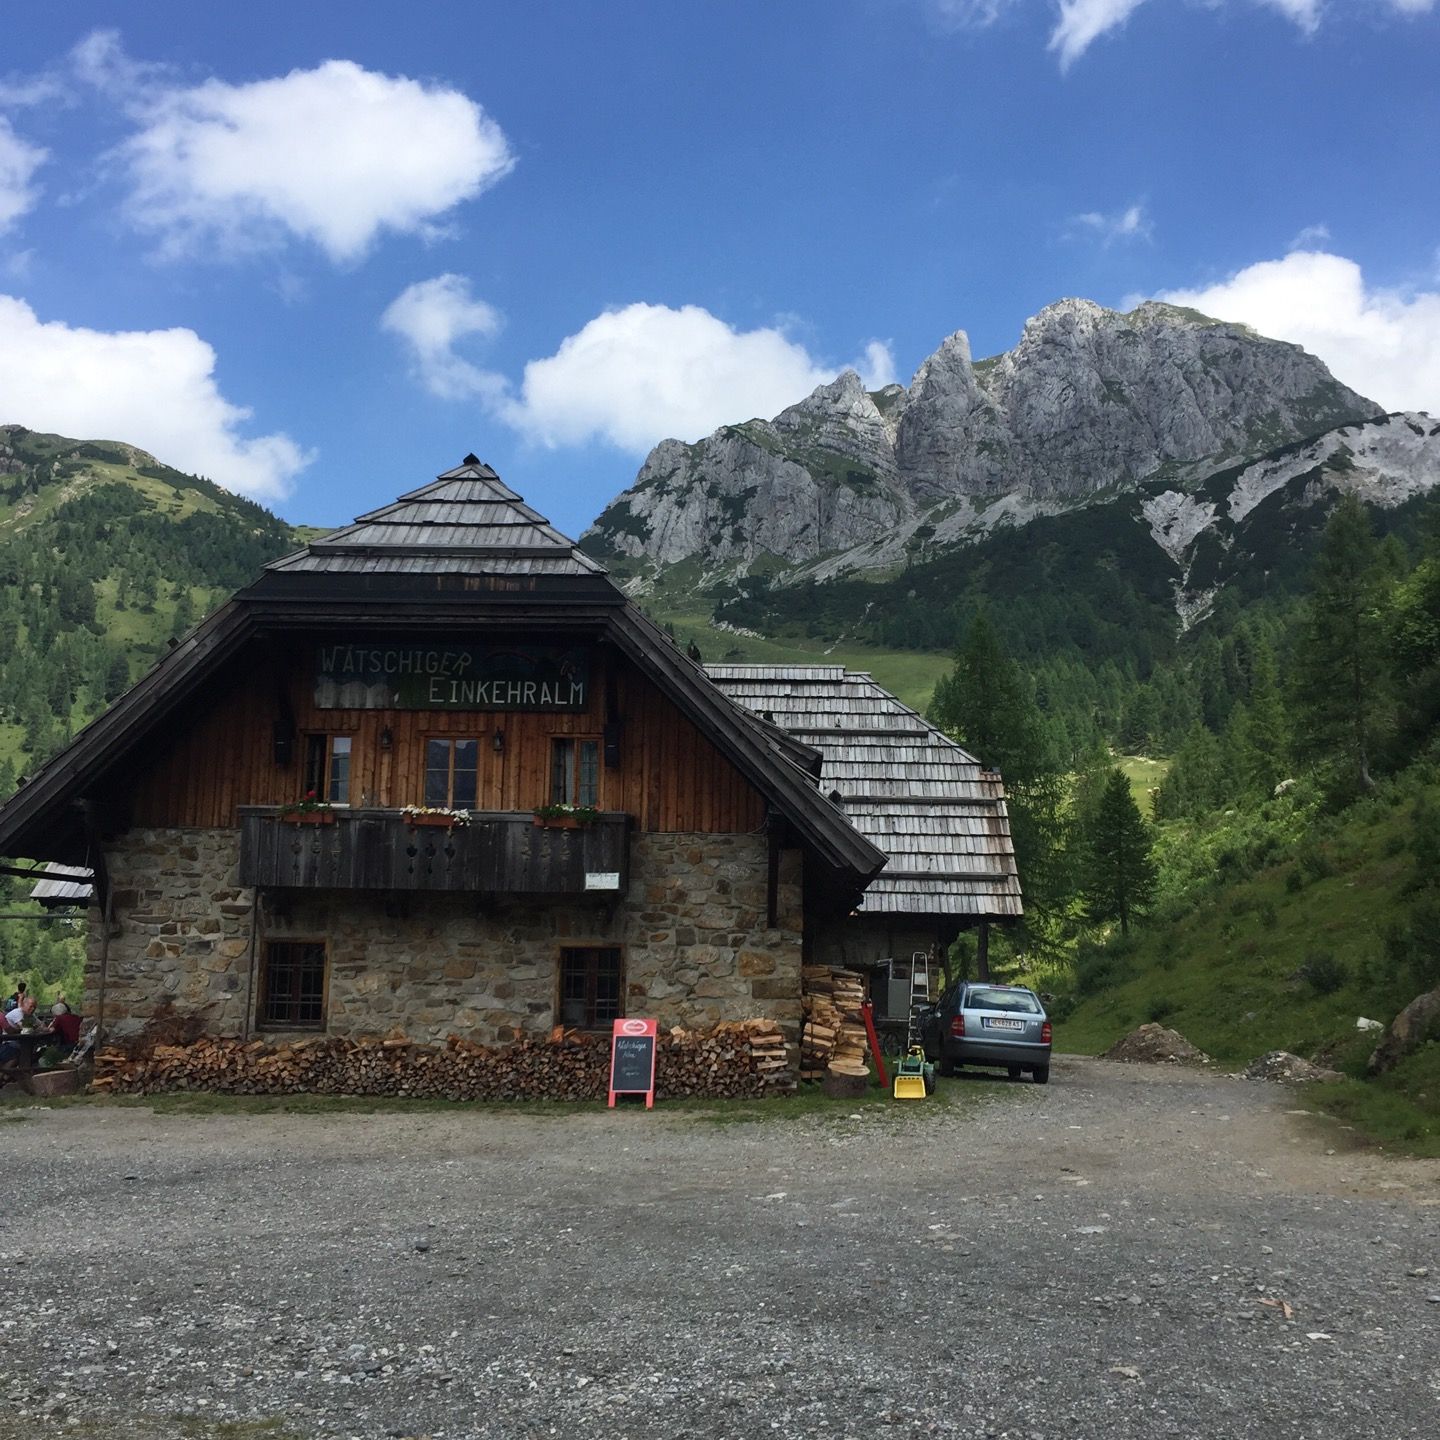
{"points": [[914, 1075]]}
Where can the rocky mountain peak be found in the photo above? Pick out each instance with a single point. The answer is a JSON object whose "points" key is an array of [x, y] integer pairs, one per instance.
{"points": [[1068, 314], [1089, 401], [951, 362], [842, 418]]}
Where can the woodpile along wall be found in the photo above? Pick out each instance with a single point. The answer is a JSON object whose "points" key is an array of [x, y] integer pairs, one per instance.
{"points": [[742, 1059], [832, 1036]]}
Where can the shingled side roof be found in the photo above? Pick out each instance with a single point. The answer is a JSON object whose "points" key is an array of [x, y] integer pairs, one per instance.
{"points": [[935, 811]]}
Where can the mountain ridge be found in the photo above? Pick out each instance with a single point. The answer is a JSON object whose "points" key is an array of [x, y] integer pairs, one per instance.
{"points": [[1090, 401]]}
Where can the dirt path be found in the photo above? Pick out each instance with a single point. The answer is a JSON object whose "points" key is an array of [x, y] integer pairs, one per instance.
{"points": [[1130, 1251]]}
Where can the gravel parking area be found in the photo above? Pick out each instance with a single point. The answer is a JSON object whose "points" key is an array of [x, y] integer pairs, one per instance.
{"points": [[1130, 1251]]}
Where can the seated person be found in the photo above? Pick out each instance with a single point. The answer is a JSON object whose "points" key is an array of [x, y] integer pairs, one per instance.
{"points": [[65, 1025], [9, 1024], [13, 1002]]}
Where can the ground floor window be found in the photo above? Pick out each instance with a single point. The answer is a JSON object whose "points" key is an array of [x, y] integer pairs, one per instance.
{"points": [[591, 986], [292, 985], [327, 768], [574, 771], [452, 769]]}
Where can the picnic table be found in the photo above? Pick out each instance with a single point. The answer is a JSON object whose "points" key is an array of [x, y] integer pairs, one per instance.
{"points": [[31, 1042]]}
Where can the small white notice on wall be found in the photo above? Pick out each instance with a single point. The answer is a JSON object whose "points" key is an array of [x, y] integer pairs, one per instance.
{"points": [[602, 879]]}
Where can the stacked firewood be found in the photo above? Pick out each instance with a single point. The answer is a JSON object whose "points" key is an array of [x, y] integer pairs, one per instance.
{"points": [[743, 1059], [768, 1055], [833, 1034]]}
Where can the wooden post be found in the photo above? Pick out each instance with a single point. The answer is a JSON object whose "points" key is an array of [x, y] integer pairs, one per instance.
{"points": [[105, 922], [104, 893], [982, 951], [249, 1016], [772, 871]]}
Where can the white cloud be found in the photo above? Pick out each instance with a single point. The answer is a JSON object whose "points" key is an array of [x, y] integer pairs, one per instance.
{"points": [[18, 163], [966, 14], [1305, 13], [635, 375], [431, 316], [876, 367], [151, 388], [1083, 21], [1310, 237], [1132, 223], [1383, 343], [335, 155]]}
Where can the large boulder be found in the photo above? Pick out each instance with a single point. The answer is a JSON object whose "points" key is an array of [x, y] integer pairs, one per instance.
{"points": [[1418, 1022], [1288, 1069], [1154, 1044]]}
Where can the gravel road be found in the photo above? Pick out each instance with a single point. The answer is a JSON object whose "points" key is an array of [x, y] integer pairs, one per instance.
{"points": [[1130, 1251]]}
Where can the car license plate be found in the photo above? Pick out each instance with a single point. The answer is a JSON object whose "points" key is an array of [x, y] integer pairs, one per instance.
{"points": [[1004, 1024]]}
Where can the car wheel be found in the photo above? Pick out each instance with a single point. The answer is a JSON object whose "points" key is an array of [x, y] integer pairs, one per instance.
{"points": [[1041, 1074], [1014, 1071], [944, 1065]]}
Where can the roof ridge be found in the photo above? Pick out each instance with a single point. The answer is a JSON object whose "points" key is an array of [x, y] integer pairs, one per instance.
{"points": [[467, 515]]}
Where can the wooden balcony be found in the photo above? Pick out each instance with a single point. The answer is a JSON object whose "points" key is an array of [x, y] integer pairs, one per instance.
{"points": [[497, 853]]}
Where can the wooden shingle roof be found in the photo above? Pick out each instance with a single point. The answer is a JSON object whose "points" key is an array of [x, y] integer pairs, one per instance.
{"points": [[468, 521], [933, 808]]}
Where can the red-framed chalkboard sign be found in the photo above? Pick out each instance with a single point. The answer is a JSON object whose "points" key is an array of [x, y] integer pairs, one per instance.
{"points": [[632, 1060]]}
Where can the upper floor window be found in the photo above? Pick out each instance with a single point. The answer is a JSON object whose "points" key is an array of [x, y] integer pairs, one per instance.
{"points": [[327, 768], [452, 769], [574, 771]]}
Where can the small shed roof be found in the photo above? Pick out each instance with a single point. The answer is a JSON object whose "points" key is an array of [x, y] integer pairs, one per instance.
{"points": [[933, 808], [63, 885]]}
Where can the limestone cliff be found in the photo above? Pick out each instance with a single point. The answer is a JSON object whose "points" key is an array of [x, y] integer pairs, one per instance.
{"points": [[1090, 401]]}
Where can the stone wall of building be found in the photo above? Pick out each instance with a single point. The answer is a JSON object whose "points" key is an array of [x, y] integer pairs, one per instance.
{"points": [[692, 926]]}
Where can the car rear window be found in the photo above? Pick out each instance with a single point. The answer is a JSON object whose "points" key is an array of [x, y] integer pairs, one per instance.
{"points": [[1018, 1000]]}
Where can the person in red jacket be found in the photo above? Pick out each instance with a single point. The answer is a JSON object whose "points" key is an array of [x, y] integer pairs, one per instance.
{"points": [[65, 1025]]}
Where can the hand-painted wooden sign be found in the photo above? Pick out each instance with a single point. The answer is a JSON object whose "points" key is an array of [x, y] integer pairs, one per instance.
{"points": [[632, 1060], [421, 675]]}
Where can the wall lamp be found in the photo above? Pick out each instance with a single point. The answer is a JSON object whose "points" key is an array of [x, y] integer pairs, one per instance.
{"points": [[497, 742], [387, 739]]}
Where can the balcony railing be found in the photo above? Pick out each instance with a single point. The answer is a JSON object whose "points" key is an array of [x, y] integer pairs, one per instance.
{"points": [[498, 852]]}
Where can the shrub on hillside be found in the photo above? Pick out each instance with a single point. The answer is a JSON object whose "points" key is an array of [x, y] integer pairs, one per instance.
{"points": [[1412, 948], [1099, 966], [1313, 862], [1323, 973]]}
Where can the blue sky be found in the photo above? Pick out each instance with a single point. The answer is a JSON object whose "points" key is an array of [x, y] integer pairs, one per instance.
{"points": [[318, 252]]}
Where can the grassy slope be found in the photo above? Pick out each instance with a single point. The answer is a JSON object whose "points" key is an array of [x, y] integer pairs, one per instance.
{"points": [[176, 496], [1227, 974], [909, 674], [1144, 775]]}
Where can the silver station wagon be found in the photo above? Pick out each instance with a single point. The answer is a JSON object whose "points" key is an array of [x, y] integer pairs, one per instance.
{"points": [[976, 1022]]}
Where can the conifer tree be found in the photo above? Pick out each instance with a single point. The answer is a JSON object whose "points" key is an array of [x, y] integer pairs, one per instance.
{"points": [[1120, 872], [1260, 732], [1338, 666], [986, 706]]}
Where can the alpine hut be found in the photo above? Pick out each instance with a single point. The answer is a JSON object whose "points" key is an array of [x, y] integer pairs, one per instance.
{"points": [[434, 771]]}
